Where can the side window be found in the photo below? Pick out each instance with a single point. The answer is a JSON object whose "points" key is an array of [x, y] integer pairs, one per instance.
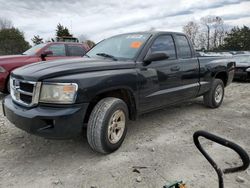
{"points": [[57, 49], [74, 50], [184, 50], [164, 44]]}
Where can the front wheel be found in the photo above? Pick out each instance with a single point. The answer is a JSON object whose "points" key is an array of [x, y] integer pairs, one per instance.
{"points": [[107, 128], [215, 96], [8, 86]]}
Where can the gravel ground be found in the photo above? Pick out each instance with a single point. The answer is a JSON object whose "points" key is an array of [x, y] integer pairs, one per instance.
{"points": [[159, 145]]}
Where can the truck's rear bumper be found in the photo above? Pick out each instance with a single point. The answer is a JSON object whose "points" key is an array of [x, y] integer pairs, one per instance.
{"points": [[49, 122]]}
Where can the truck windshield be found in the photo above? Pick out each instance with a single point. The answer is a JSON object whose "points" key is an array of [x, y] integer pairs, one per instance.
{"points": [[124, 46], [34, 49]]}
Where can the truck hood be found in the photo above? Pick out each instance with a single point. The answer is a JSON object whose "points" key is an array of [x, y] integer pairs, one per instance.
{"points": [[7, 59], [43, 70]]}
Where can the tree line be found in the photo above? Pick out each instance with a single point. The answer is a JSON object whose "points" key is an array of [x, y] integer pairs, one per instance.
{"points": [[12, 40], [211, 34], [61, 31]]}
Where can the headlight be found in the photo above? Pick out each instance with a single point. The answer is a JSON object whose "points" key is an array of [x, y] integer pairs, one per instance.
{"points": [[2, 69], [61, 93], [248, 70]]}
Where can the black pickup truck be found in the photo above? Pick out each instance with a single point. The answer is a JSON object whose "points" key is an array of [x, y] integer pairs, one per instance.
{"points": [[117, 80]]}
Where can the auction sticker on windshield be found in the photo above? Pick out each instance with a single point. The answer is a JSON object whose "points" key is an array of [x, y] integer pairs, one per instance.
{"points": [[136, 44]]}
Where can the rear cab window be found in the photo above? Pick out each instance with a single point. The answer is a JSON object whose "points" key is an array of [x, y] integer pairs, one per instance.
{"points": [[183, 47]]}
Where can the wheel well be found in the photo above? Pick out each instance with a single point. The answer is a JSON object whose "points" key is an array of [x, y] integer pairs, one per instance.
{"points": [[122, 94], [223, 76]]}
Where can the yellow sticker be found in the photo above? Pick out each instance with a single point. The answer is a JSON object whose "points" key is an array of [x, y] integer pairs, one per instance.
{"points": [[136, 44]]}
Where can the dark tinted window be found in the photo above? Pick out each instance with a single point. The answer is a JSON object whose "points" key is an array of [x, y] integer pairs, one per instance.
{"points": [[57, 49], [75, 50], [183, 46], [164, 44]]}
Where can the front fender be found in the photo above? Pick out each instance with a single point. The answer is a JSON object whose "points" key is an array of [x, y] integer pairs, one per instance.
{"points": [[91, 84]]}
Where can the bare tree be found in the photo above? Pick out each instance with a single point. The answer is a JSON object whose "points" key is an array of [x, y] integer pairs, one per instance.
{"points": [[219, 31], [207, 34], [192, 30], [5, 23], [208, 23], [222, 35], [201, 41]]}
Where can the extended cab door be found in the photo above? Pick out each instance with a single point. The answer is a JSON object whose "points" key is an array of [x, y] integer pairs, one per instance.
{"points": [[160, 80], [189, 67]]}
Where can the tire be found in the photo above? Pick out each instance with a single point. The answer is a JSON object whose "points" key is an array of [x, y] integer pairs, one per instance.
{"points": [[8, 86], [109, 116], [212, 98]]}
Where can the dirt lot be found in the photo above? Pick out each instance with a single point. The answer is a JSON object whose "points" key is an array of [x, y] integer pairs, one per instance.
{"points": [[160, 141]]}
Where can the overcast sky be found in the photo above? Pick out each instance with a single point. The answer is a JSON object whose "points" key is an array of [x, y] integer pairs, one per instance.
{"points": [[98, 19]]}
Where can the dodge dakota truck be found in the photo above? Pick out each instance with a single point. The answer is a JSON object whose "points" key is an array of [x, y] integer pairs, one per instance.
{"points": [[116, 81], [42, 52]]}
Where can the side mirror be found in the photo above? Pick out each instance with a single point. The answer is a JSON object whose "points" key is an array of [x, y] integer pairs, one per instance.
{"points": [[155, 57], [46, 53]]}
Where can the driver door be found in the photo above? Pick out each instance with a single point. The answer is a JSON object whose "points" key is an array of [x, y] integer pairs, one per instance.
{"points": [[160, 79]]}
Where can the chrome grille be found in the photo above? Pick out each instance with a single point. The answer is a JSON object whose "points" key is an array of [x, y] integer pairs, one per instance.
{"points": [[24, 92]]}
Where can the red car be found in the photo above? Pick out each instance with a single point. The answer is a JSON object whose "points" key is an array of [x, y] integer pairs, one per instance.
{"points": [[41, 52]]}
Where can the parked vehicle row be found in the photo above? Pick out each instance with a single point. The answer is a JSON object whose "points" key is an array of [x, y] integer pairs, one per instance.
{"points": [[229, 53], [241, 58], [242, 70], [38, 53], [117, 80]]}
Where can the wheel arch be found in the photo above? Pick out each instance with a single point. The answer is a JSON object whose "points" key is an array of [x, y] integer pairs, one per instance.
{"points": [[124, 94], [223, 75]]}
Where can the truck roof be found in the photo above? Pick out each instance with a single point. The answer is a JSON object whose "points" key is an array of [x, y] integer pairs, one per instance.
{"points": [[154, 32], [64, 43]]}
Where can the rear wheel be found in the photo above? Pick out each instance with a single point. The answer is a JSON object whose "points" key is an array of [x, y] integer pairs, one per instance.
{"points": [[215, 96], [106, 128]]}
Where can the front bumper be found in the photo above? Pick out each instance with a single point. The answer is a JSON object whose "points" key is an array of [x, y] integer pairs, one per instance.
{"points": [[49, 122]]}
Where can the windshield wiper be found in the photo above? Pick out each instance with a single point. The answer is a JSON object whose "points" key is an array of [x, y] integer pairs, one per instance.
{"points": [[107, 55]]}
